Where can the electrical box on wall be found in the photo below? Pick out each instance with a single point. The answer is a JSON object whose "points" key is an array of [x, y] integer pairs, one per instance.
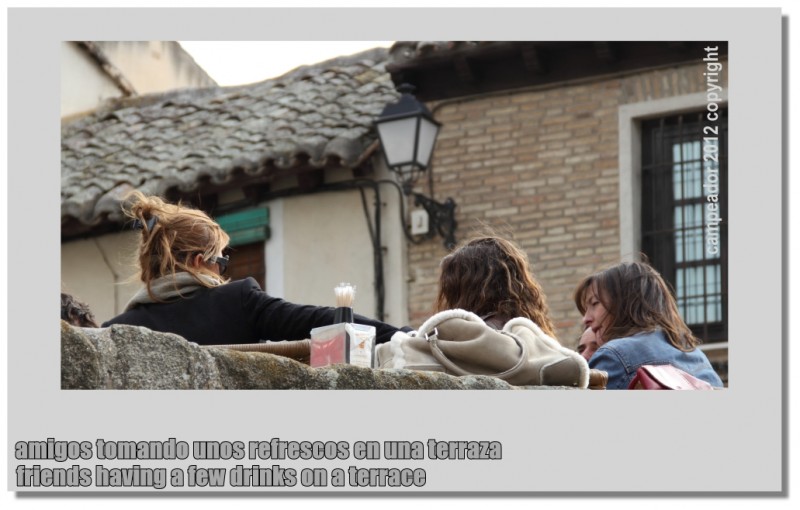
{"points": [[419, 222]]}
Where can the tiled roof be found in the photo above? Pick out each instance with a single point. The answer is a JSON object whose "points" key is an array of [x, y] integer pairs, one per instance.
{"points": [[313, 117]]}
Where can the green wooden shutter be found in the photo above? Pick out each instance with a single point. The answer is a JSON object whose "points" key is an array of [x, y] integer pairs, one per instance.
{"points": [[246, 226]]}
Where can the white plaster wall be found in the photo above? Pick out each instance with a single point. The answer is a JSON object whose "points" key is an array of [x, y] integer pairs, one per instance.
{"points": [[326, 242], [150, 66], [396, 272], [155, 66], [322, 239], [83, 84], [97, 270]]}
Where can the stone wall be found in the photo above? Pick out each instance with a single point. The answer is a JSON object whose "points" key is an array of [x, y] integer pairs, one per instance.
{"points": [[541, 167], [136, 358]]}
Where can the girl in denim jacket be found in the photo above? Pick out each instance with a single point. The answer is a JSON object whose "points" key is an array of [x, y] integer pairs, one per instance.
{"points": [[635, 318]]}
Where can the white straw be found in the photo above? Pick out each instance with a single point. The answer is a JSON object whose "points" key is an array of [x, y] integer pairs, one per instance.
{"points": [[345, 295]]}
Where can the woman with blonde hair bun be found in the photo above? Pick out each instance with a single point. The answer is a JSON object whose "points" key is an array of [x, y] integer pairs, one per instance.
{"points": [[182, 266]]}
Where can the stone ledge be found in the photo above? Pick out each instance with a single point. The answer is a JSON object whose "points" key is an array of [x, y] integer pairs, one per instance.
{"points": [[136, 358]]}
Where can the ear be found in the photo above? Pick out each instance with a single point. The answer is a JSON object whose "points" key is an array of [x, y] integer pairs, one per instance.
{"points": [[197, 261]]}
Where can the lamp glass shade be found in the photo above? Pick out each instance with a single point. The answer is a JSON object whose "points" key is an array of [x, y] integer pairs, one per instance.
{"points": [[408, 141], [397, 138], [427, 139]]}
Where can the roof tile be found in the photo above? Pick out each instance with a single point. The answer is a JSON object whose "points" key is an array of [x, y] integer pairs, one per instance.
{"points": [[314, 115]]}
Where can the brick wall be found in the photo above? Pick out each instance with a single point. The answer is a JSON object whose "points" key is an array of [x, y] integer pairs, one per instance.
{"points": [[540, 167]]}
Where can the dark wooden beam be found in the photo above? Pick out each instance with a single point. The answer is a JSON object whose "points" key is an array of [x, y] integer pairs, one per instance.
{"points": [[605, 52], [497, 66], [310, 179], [532, 59], [463, 69]]}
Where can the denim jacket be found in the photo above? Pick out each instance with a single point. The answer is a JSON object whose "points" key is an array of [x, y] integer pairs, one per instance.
{"points": [[623, 356]]}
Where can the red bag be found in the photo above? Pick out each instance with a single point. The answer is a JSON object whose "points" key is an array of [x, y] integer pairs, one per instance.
{"points": [[666, 377]]}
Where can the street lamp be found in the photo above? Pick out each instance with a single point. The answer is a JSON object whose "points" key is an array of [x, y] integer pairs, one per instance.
{"points": [[408, 131]]}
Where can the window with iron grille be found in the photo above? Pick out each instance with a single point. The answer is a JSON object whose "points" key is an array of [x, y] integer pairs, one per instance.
{"points": [[678, 225]]}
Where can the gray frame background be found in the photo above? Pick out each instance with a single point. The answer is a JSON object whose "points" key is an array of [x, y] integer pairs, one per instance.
{"points": [[541, 431]]}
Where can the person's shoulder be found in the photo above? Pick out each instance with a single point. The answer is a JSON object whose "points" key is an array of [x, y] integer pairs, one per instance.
{"points": [[126, 317], [246, 290], [633, 341], [617, 345], [244, 285], [250, 282]]}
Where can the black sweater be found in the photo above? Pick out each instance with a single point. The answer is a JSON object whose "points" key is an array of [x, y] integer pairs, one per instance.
{"points": [[236, 313]]}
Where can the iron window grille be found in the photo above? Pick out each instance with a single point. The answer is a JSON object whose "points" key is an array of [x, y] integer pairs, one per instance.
{"points": [[676, 231]]}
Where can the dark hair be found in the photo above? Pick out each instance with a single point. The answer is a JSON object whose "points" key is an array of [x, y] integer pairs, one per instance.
{"points": [[490, 276], [76, 313], [637, 299]]}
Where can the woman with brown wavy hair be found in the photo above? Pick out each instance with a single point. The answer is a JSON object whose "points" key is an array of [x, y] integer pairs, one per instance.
{"points": [[490, 277], [630, 308], [181, 264]]}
